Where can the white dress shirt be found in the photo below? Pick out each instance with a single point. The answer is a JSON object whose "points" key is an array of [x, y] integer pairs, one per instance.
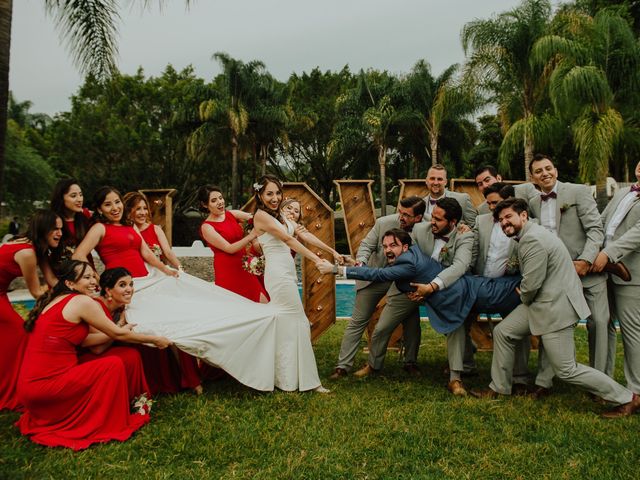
{"points": [[623, 208], [429, 205], [497, 254], [548, 212], [437, 248]]}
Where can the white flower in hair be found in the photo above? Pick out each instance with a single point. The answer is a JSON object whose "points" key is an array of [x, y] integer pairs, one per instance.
{"points": [[257, 186]]}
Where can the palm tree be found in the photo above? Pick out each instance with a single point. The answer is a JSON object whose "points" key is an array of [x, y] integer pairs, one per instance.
{"points": [[228, 112], [499, 62], [594, 86], [89, 29]]}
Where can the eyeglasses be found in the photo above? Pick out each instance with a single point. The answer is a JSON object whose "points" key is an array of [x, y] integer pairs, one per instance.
{"points": [[406, 215]]}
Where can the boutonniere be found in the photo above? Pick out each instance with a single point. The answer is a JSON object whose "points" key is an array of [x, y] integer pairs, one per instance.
{"points": [[513, 265], [566, 207], [445, 255]]}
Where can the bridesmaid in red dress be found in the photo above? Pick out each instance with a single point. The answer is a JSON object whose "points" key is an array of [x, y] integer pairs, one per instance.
{"points": [[20, 257], [116, 291], [67, 202], [224, 235], [120, 245], [136, 211], [66, 403]]}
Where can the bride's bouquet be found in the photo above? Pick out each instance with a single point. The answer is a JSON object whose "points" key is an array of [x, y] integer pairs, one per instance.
{"points": [[253, 264]]}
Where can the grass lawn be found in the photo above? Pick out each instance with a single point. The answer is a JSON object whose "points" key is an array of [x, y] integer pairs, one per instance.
{"points": [[390, 426]]}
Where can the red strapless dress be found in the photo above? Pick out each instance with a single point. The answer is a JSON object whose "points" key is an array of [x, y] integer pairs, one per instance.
{"points": [[136, 381], [13, 337], [228, 266], [68, 404], [120, 247]]}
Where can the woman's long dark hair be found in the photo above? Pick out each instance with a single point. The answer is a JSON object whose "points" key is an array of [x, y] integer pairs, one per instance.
{"points": [[41, 223], [98, 199], [204, 193], [259, 187], [71, 270], [80, 222]]}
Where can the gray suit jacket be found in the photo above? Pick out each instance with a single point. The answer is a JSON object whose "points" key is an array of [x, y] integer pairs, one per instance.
{"points": [[625, 244], [370, 250], [578, 223], [469, 212], [483, 208], [482, 240], [456, 255], [550, 285]]}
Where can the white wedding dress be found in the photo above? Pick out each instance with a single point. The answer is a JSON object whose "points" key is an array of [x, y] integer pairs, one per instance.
{"points": [[295, 367], [260, 345]]}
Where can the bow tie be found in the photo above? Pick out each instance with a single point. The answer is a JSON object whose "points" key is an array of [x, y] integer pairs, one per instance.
{"points": [[432, 201], [547, 196], [442, 237], [517, 239], [635, 188]]}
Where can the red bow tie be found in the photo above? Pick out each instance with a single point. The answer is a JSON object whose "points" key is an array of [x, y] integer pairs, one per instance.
{"points": [[547, 196]]}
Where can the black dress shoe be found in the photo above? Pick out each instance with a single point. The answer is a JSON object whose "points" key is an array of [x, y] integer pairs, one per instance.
{"points": [[338, 373], [412, 369]]}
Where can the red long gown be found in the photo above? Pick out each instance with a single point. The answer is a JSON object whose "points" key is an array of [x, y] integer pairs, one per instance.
{"points": [[120, 247], [136, 381], [13, 337], [228, 266], [71, 404]]}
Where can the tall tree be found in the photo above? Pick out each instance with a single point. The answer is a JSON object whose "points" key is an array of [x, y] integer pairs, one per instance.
{"points": [[499, 62], [594, 85]]}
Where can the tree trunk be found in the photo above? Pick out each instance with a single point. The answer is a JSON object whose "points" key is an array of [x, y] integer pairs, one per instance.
{"points": [[6, 11], [601, 190], [263, 159], [433, 140], [528, 155], [234, 172], [382, 160]]}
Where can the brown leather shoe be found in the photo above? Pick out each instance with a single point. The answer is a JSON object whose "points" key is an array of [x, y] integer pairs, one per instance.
{"points": [[625, 410], [338, 373], [539, 392], [457, 388], [412, 369], [619, 269], [365, 371], [486, 394]]}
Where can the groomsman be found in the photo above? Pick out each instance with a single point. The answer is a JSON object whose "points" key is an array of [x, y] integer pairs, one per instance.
{"points": [[569, 211], [621, 221], [368, 294], [495, 255], [441, 241], [552, 304], [485, 176], [436, 184]]}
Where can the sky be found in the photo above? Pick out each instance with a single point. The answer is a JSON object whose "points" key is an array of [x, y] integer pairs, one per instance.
{"points": [[287, 35]]}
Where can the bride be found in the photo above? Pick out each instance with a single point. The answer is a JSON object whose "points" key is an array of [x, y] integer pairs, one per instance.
{"points": [[295, 362]]}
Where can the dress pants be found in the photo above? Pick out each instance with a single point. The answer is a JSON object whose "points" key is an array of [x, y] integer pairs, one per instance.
{"points": [[602, 332], [626, 309], [559, 348], [399, 309], [365, 303]]}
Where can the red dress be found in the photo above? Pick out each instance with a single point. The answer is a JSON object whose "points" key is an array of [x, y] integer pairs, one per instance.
{"points": [[228, 266], [68, 404], [150, 237], [136, 381], [120, 247], [13, 337], [70, 240]]}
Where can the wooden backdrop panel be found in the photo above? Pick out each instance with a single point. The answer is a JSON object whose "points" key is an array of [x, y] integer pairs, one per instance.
{"points": [[468, 185], [359, 216], [161, 205], [318, 291]]}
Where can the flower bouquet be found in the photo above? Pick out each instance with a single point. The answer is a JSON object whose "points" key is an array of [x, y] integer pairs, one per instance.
{"points": [[253, 264]]}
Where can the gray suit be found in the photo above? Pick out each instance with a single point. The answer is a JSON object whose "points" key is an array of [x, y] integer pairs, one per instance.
{"points": [[456, 257], [469, 212], [552, 303], [368, 295], [579, 226], [625, 296], [483, 208]]}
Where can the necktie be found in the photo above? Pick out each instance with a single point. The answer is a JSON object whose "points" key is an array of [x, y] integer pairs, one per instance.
{"points": [[547, 196]]}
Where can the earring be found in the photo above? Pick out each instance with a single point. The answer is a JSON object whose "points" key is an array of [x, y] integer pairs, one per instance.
{"points": [[109, 298]]}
